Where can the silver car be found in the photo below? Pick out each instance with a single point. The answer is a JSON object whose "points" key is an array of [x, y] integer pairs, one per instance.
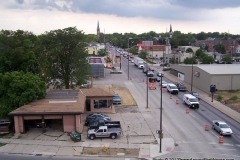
{"points": [[164, 84], [221, 127]]}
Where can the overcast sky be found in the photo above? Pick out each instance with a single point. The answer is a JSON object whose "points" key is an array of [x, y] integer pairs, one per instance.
{"points": [[121, 16]]}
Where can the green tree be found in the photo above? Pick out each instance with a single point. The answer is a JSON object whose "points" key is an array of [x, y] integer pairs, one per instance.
{"points": [[143, 55], [64, 57], [227, 58], [206, 59], [133, 50], [190, 61], [189, 50], [19, 88], [102, 52], [220, 48], [18, 51], [172, 60], [198, 53]]}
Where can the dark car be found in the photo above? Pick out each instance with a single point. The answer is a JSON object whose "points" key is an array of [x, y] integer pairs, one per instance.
{"points": [[159, 74], [181, 86], [165, 64], [93, 116], [75, 136], [195, 94]]}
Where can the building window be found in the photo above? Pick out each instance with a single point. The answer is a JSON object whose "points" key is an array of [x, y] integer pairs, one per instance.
{"points": [[101, 104]]}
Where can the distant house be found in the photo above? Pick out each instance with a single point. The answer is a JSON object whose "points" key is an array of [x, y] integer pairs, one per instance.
{"points": [[94, 47]]}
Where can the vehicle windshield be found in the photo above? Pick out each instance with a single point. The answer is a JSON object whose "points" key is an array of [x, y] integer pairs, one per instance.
{"points": [[163, 82], [224, 126], [173, 87], [193, 100]]}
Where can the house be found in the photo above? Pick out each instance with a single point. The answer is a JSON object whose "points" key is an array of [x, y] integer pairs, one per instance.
{"points": [[64, 107]]}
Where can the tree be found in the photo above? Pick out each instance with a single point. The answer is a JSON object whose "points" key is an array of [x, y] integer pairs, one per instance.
{"points": [[19, 88], [18, 51], [220, 48], [206, 59], [102, 52], [143, 55], [227, 58], [190, 61], [198, 53], [64, 57], [189, 50], [172, 60], [133, 50]]}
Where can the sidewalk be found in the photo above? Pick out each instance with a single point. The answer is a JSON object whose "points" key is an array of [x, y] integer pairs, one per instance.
{"points": [[204, 96]]}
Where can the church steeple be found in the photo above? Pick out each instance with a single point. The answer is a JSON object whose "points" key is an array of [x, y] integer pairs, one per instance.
{"points": [[98, 30], [170, 32]]}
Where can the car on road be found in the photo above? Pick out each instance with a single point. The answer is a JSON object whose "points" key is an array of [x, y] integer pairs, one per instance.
{"points": [[150, 73], [172, 88], [191, 101], [195, 94], [93, 116], [159, 74], [222, 127], [181, 86], [117, 99], [132, 61], [158, 79], [163, 84]]}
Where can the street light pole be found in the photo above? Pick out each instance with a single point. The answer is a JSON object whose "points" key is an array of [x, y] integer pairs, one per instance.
{"points": [[120, 61], [192, 75], [161, 134], [128, 56], [147, 90]]}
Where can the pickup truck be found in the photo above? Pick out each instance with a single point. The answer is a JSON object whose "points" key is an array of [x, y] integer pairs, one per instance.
{"points": [[100, 122], [104, 131]]}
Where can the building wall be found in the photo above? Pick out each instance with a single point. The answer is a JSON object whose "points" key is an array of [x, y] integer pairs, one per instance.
{"points": [[226, 82], [18, 124], [201, 79], [68, 123]]}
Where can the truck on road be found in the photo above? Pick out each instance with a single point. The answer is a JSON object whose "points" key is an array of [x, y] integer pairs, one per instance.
{"points": [[139, 62], [104, 131], [109, 124]]}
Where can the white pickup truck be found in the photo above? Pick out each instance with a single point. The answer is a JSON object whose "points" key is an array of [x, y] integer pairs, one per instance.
{"points": [[104, 131]]}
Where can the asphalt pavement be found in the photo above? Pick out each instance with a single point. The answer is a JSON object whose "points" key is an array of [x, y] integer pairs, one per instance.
{"points": [[139, 134]]}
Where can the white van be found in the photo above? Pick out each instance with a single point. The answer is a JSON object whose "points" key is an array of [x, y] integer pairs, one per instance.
{"points": [[191, 101], [172, 88]]}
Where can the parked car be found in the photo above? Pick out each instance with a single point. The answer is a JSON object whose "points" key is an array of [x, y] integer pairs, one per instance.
{"points": [[195, 94], [75, 136], [104, 131], [163, 84], [172, 88], [221, 127], [40, 124], [85, 85], [165, 64], [109, 124], [93, 116], [117, 99], [159, 74], [180, 86]]}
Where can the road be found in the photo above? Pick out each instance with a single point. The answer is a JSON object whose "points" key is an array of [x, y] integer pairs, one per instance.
{"points": [[187, 130]]}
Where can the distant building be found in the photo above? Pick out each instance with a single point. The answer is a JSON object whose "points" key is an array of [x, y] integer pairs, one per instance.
{"points": [[98, 30]]}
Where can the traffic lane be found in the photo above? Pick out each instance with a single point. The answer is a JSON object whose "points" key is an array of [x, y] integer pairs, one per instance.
{"points": [[185, 128]]}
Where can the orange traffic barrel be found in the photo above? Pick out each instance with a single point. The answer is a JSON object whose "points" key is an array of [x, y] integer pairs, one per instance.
{"points": [[163, 90], [130, 77], [187, 110], [170, 96], [221, 139], [206, 127], [177, 101]]}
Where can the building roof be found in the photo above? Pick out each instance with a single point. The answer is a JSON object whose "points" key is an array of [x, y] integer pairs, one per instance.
{"points": [[220, 68], [97, 92], [56, 102]]}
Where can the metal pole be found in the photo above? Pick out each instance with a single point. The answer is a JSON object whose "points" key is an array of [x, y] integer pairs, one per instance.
{"points": [[160, 137], [147, 91], [128, 59], [192, 75], [120, 61]]}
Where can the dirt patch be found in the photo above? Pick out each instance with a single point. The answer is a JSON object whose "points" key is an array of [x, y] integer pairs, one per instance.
{"points": [[133, 152], [124, 93], [230, 98]]}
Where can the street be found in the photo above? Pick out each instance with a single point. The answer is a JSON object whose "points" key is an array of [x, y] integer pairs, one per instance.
{"points": [[187, 130]]}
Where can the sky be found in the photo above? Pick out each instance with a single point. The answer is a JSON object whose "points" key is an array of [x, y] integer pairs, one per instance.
{"points": [[121, 16]]}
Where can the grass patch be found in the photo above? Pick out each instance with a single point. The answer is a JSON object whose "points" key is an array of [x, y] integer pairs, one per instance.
{"points": [[234, 98], [219, 97], [2, 144]]}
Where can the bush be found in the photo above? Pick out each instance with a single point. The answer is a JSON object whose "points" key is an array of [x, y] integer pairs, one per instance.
{"points": [[219, 97], [234, 98]]}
